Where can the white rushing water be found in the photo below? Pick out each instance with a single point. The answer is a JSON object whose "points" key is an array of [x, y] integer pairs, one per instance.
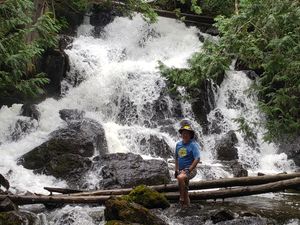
{"points": [[120, 84]]}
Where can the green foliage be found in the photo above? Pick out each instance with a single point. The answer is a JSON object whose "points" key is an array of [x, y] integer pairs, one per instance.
{"points": [[21, 41], [218, 7], [210, 63], [265, 36], [147, 197], [131, 6]]}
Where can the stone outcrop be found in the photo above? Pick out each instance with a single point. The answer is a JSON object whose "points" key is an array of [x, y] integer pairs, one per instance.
{"points": [[67, 153], [128, 170], [130, 212], [225, 148]]}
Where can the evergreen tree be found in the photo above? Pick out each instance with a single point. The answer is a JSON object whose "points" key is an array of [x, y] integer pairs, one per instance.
{"points": [[22, 40]]}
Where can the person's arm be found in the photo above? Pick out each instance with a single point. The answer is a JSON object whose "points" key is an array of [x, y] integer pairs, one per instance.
{"points": [[196, 155], [176, 163], [194, 164]]}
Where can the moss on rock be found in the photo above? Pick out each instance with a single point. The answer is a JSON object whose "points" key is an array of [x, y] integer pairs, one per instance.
{"points": [[147, 197], [130, 212]]}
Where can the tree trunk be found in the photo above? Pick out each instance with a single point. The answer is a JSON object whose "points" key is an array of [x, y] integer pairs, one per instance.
{"points": [[196, 195]]}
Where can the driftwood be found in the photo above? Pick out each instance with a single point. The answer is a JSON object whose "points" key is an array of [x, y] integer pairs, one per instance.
{"points": [[196, 185], [194, 195]]}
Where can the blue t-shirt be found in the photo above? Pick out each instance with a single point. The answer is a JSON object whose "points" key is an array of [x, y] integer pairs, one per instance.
{"points": [[187, 153]]}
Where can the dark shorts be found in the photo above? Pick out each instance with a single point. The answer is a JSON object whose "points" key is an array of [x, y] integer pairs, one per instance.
{"points": [[191, 175]]}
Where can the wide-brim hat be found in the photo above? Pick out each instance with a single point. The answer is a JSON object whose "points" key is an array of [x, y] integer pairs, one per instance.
{"points": [[186, 125]]}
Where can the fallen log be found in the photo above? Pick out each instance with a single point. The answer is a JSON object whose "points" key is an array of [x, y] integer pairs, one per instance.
{"points": [[194, 195], [205, 184], [239, 192]]}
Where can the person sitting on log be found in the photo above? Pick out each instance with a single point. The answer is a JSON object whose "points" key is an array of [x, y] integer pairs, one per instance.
{"points": [[187, 156]]}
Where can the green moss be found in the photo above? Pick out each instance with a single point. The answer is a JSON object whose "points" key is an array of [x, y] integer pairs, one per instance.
{"points": [[10, 218], [147, 197]]}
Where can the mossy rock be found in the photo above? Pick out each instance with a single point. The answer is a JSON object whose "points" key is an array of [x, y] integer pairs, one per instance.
{"points": [[116, 222], [17, 218], [130, 212], [147, 197]]}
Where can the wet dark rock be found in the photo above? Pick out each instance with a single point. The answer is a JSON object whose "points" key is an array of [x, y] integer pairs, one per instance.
{"points": [[203, 102], [238, 170], [291, 147], [130, 212], [55, 64], [18, 218], [21, 128], [66, 154], [101, 17], [222, 215], [71, 114], [156, 146], [212, 31], [225, 148], [74, 18], [7, 205], [10, 100], [4, 182], [30, 110], [69, 167], [201, 37], [65, 42], [128, 170], [215, 125], [246, 221], [252, 73]]}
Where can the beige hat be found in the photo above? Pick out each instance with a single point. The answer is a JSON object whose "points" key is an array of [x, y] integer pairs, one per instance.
{"points": [[186, 125]]}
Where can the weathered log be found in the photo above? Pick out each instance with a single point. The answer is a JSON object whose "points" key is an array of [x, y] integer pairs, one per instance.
{"points": [[206, 184], [62, 190], [194, 195], [239, 192], [42, 199]]}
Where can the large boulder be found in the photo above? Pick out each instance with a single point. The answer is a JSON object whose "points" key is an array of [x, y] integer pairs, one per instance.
{"points": [[203, 102], [128, 170], [30, 110], [71, 114], [66, 154], [238, 170], [155, 146], [18, 218], [4, 182], [7, 205], [55, 64], [130, 212], [225, 148], [291, 147], [23, 127]]}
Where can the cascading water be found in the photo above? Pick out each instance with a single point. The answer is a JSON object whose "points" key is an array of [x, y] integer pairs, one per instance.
{"points": [[117, 83]]}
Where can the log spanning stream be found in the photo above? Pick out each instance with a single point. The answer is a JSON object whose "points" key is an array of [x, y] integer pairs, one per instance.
{"points": [[259, 185]]}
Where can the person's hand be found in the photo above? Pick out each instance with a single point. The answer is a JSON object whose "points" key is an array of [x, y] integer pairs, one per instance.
{"points": [[176, 173], [187, 171]]}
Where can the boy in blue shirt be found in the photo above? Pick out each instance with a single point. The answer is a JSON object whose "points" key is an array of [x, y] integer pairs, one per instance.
{"points": [[187, 156]]}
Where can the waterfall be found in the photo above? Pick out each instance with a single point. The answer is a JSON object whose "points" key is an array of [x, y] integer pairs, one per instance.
{"points": [[115, 79]]}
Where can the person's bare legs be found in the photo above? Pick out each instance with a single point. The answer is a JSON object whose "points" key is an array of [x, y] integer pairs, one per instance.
{"points": [[184, 195]]}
